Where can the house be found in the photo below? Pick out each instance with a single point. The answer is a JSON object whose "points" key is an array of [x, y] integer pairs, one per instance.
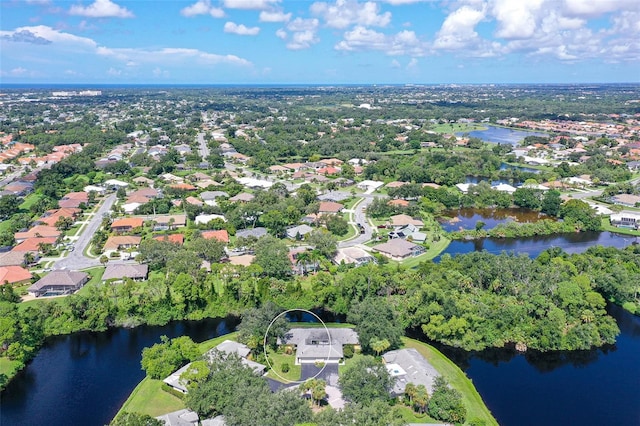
{"points": [[143, 181], [319, 344], [120, 242], [254, 183], [279, 169], [335, 196], [169, 222], [330, 207], [59, 282], [127, 224], [626, 219], [396, 184], [74, 199], [183, 186], [100, 190], [12, 258], [206, 218], [221, 235], [171, 178], [353, 256], [171, 238], [209, 197], [142, 195], [398, 203], [503, 187], [50, 217], [626, 199], [370, 185], [400, 220], [115, 184], [121, 271], [408, 366], [37, 231], [253, 232], [398, 249], [189, 200], [14, 274], [33, 245], [408, 232], [298, 231], [243, 197], [225, 348]]}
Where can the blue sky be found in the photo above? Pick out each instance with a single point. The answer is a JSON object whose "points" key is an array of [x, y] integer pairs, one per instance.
{"points": [[319, 42]]}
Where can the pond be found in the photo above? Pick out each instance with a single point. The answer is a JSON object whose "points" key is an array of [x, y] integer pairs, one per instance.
{"points": [[501, 135], [571, 243], [466, 218]]}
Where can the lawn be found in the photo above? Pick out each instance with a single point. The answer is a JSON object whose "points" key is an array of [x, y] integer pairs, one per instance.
{"points": [[149, 398], [29, 201], [607, 226], [434, 250], [277, 360], [476, 409], [8, 367]]}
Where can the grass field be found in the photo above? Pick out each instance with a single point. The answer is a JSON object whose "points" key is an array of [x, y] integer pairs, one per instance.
{"points": [[277, 360]]}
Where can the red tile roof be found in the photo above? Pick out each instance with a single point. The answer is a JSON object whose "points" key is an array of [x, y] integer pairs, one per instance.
{"points": [[13, 274], [173, 238], [221, 235]]}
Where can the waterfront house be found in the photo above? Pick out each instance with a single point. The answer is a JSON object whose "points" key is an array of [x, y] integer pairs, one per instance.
{"points": [[398, 249], [58, 283]]}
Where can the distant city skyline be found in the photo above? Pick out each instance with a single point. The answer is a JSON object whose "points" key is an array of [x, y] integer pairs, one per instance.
{"points": [[278, 42]]}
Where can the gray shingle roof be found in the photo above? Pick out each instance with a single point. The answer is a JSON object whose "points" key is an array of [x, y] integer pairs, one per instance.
{"points": [[125, 271]]}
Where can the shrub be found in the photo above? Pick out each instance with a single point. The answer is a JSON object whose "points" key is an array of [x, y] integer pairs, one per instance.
{"points": [[285, 367], [347, 350]]}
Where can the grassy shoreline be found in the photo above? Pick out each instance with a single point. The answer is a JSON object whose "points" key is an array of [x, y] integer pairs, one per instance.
{"points": [[149, 398]]}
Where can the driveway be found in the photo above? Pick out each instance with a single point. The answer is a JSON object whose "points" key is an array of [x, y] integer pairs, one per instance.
{"points": [[329, 374], [203, 148], [76, 259]]}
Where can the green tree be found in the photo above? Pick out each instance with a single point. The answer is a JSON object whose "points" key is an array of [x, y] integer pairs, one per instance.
{"points": [[551, 202], [337, 225], [365, 380], [375, 321], [446, 403], [254, 324], [379, 346], [272, 255], [163, 358]]}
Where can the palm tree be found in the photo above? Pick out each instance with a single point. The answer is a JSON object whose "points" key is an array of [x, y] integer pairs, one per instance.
{"points": [[318, 392], [28, 258], [410, 391], [421, 398], [379, 345]]}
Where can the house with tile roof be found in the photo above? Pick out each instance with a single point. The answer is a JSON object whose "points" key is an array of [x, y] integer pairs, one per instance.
{"points": [[126, 224], [59, 282], [14, 275]]}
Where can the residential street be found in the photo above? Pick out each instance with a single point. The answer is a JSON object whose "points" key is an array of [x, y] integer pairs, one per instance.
{"points": [[360, 217], [76, 259], [203, 149]]}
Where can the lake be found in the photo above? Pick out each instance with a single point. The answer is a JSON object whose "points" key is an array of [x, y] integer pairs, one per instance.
{"points": [[501, 135], [571, 243], [466, 218]]}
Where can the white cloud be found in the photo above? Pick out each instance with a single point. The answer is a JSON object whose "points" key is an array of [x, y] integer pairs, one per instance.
{"points": [[249, 4], [101, 9], [344, 13], [114, 72], [42, 34], [202, 7], [517, 19], [363, 39], [401, 2], [458, 29], [240, 29], [395, 64], [170, 56], [592, 8], [303, 33], [274, 16]]}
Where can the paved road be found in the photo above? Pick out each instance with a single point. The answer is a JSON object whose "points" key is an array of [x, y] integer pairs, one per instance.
{"points": [[203, 148], [77, 259], [360, 217]]}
